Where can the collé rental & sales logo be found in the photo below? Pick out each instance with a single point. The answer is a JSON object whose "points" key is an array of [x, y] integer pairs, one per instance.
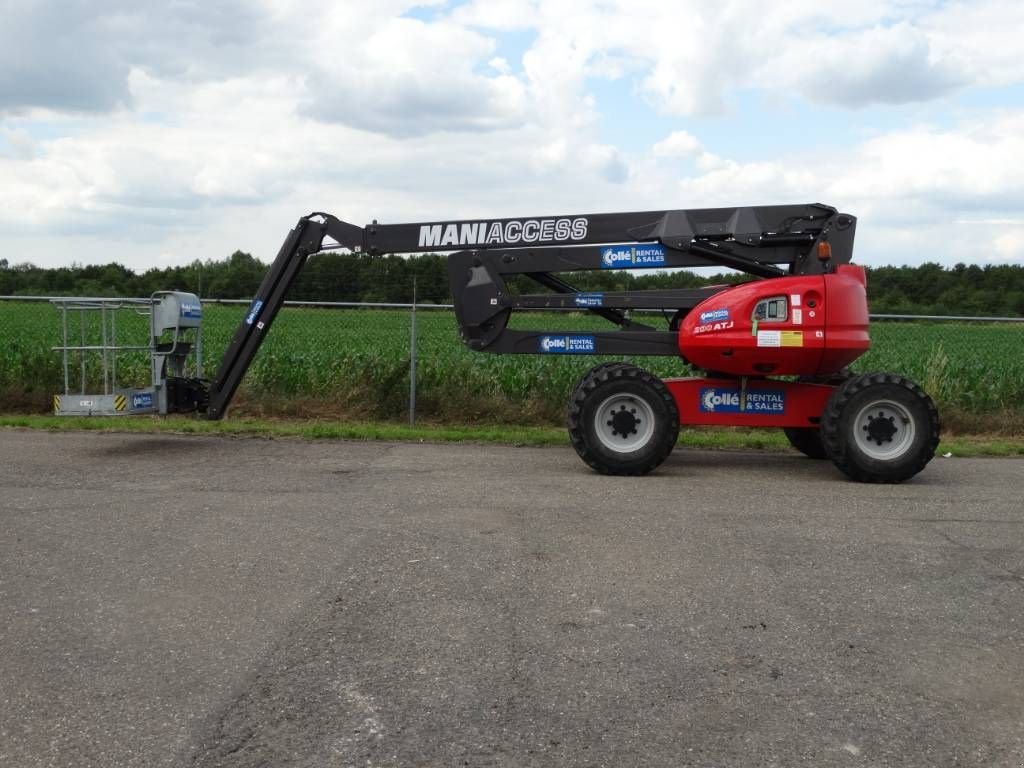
{"points": [[633, 256], [718, 400], [254, 311], [572, 344], [589, 299], [714, 316], [188, 309], [142, 400]]}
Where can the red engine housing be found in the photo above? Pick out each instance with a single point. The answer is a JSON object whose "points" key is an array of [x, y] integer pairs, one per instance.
{"points": [[807, 325]]}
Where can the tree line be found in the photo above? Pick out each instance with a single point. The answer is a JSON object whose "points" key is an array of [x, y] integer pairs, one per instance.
{"points": [[990, 290]]}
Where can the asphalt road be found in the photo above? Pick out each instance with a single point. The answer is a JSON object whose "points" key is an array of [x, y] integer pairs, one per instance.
{"points": [[196, 601]]}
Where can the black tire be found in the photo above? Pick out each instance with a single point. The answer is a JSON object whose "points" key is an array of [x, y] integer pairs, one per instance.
{"points": [[807, 440], [880, 428], [597, 369], [648, 427]]}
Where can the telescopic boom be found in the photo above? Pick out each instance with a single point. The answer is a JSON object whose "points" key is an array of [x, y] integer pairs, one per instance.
{"points": [[763, 241]]}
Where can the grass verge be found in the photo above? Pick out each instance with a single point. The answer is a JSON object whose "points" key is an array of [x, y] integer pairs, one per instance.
{"points": [[705, 438]]}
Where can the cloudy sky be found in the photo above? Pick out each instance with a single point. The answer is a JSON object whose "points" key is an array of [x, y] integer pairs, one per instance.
{"points": [[154, 133]]}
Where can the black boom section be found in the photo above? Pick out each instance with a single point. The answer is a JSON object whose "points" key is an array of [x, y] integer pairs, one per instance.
{"points": [[685, 298], [304, 239], [750, 229], [624, 342], [767, 241], [764, 241]]}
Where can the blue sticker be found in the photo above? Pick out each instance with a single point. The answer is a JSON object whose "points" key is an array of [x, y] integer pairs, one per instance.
{"points": [[589, 299], [188, 309], [633, 256], [719, 400], [567, 345], [142, 400], [254, 311], [714, 316]]}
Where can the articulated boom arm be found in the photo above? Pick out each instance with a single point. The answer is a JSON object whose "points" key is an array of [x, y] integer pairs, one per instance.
{"points": [[765, 241]]}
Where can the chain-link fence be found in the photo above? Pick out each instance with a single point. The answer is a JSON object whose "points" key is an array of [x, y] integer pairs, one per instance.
{"points": [[354, 361]]}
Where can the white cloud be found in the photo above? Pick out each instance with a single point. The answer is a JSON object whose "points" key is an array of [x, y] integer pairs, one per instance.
{"points": [[410, 78], [708, 161], [909, 188], [978, 166], [71, 55], [838, 51], [20, 143], [210, 127], [677, 144], [498, 14], [980, 39], [499, 64], [1009, 246], [846, 52], [888, 65]]}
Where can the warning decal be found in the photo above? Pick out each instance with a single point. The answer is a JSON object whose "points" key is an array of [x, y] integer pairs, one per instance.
{"points": [[780, 338]]}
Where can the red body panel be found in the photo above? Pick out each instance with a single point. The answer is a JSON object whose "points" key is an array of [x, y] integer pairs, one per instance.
{"points": [[846, 321], [825, 326], [767, 402]]}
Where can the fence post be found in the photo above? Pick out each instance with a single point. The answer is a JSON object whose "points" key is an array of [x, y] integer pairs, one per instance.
{"points": [[412, 358]]}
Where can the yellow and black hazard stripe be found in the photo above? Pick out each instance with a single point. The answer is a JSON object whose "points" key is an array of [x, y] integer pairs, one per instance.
{"points": [[56, 403], [120, 401]]}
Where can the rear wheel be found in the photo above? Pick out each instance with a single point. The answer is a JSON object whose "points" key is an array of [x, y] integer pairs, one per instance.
{"points": [[807, 440], [880, 428], [599, 368], [622, 420]]}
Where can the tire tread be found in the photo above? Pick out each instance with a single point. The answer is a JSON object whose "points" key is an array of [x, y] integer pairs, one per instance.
{"points": [[610, 372], [838, 447]]}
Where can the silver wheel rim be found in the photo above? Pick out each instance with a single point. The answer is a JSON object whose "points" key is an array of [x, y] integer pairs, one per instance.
{"points": [[610, 423], [884, 430]]}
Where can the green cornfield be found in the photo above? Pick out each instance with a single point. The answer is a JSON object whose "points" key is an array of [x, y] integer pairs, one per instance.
{"points": [[355, 363]]}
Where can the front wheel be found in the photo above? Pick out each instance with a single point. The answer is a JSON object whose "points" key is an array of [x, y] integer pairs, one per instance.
{"points": [[808, 440], [880, 428], [622, 420]]}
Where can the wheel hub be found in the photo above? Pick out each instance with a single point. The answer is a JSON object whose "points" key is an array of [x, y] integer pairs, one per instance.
{"points": [[884, 429], [881, 428], [624, 422]]}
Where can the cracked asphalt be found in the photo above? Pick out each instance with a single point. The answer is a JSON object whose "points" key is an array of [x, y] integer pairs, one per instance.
{"points": [[204, 601]]}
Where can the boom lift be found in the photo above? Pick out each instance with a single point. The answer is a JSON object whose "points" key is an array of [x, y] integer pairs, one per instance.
{"points": [[805, 319]]}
